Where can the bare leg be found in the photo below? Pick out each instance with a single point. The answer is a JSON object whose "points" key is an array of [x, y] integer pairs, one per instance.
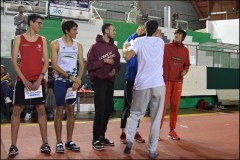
{"points": [[42, 121], [15, 122], [70, 121], [58, 122]]}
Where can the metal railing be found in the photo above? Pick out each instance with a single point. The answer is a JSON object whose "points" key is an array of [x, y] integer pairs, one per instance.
{"points": [[216, 13], [11, 7], [213, 57], [120, 12], [94, 10]]}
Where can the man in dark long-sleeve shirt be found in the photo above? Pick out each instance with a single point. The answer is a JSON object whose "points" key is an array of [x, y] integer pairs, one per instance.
{"points": [[20, 20], [103, 63]]}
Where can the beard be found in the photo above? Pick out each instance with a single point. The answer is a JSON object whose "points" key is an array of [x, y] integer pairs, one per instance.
{"points": [[110, 36]]}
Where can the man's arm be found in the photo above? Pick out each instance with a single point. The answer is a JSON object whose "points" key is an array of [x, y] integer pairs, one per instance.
{"points": [[93, 63], [37, 83], [131, 38], [45, 56], [54, 51], [186, 64], [80, 61], [127, 55], [80, 67], [17, 22], [25, 18], [117, 64]]}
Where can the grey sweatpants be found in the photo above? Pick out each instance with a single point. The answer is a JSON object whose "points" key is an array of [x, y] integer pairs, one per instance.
{"points": [[140, 101]]}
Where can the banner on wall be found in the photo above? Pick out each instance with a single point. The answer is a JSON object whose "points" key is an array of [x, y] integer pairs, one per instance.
{"points": [[25, 2], [70, 8]]}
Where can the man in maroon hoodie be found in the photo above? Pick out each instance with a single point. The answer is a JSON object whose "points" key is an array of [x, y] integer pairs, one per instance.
{"points": [[103, 63], [175, 65]]}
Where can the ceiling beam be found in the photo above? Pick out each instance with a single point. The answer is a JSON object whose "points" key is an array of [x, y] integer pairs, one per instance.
{"points": [[235, 6], [200, 16], [208, 7]]}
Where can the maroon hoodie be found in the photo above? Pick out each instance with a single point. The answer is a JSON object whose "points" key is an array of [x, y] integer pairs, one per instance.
{"points": [[96, 66]]}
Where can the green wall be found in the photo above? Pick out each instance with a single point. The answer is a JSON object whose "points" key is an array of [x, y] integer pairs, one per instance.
{"points": [[222, 78], [186, 102], [51, 31], [200, 37], [119, 81]]}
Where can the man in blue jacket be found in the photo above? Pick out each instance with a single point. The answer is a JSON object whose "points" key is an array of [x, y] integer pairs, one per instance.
{"points": [[131, 71]]}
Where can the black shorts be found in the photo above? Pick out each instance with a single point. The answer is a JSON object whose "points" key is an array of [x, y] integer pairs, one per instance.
{"points": [[19, 98]]}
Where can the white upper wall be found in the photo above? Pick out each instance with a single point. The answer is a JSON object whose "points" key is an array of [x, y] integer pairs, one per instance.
{"points": [[86, 34], [226, 30], [7, 34]]}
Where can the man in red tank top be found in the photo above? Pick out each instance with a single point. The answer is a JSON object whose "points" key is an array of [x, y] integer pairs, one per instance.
{"points": [[29, 88]]}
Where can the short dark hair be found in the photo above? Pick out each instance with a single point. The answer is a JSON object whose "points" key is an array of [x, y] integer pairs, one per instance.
{"points": [[180, 31], [33, 17], [21, 6], [105, 26], [151, 27], [67, 25]]}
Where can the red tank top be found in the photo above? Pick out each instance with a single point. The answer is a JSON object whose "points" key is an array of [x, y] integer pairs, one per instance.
{"points": [[31, 62]]}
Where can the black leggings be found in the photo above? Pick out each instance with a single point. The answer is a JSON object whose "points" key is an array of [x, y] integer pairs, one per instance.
{"points": [[127, 103]]}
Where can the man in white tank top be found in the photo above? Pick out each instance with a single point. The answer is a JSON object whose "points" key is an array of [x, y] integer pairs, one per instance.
{"points": [[65, 53], [149, 86]]}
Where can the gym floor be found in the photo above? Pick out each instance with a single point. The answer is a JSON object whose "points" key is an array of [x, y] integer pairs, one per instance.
{"points": [[204, 135]]}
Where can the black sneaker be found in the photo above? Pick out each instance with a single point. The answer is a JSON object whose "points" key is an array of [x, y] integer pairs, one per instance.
{"points": [[59, 147], [45, 148], [106, 142], [153, 155], [13, 151], [97, 145], [72, 146], [128, 148]]}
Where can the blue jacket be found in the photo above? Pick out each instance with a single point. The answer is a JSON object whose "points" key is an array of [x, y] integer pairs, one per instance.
{"points": [[131, 68]]}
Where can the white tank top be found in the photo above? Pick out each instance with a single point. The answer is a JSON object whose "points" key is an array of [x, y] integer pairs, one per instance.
{"points": [[67, 59]]}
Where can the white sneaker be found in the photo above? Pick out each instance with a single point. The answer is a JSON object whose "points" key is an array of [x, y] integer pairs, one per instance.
{"points": [[222, 107], [27, 117], [8, 100]]}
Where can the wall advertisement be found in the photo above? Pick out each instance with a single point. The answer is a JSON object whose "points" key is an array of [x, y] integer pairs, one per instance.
{"points": [[69, 8]]}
